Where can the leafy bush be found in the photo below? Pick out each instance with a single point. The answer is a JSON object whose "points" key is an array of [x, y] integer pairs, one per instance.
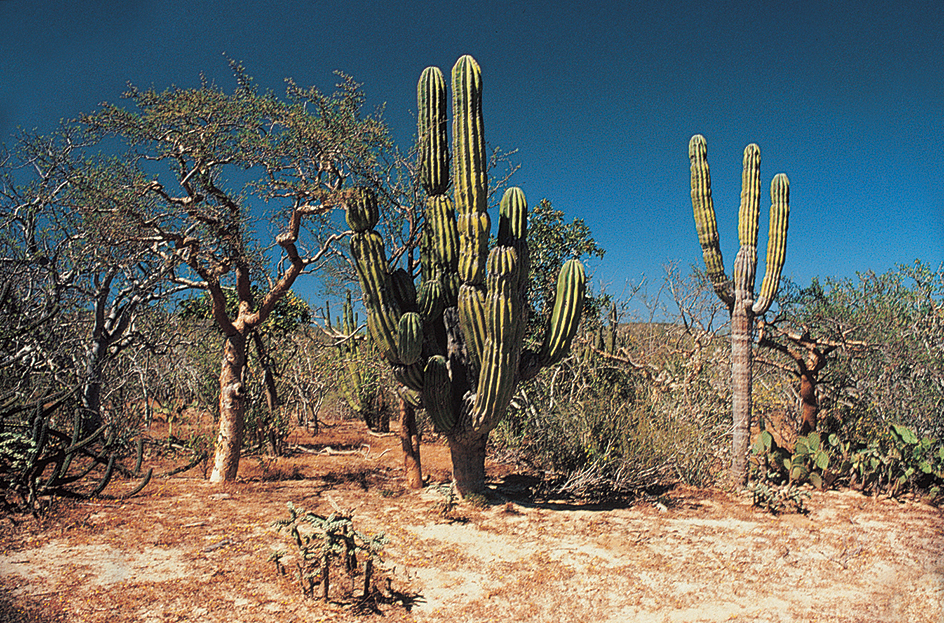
{"points": [[601, 429]]}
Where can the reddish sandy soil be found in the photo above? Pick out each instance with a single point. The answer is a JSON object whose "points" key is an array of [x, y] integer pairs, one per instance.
{"points": [[185, 550]]}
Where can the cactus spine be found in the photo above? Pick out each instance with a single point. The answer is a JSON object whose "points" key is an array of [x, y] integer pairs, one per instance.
{"points": [[738, 293], [462, 347]]}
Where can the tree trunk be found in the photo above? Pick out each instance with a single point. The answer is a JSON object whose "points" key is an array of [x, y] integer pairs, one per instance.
{"points": [[410, 441], [232, 406], [741, 320], [468, 462], [91, 398], [808, 404]]}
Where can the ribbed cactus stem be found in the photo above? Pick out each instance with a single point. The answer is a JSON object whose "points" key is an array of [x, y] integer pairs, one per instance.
{"points": [[431, 122], [471, 306], [442, 246], [437, 395], [776, 242], [568, 304], [469, 158], [469, 162], [705, 221], [383, 312], [503, 342], [347, 311], [513, 230], [738, 294], [362, 210], [410, 338], [749, 213]]}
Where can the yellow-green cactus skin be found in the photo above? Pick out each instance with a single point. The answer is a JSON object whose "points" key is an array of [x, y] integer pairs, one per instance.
{"points": [[738, 292]]}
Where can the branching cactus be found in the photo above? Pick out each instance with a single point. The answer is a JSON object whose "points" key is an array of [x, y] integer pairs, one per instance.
{"points": [[738, 293], [457, 339]]}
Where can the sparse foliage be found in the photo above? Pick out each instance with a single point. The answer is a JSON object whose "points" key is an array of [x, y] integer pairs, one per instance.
{"points": [[205, 169]]}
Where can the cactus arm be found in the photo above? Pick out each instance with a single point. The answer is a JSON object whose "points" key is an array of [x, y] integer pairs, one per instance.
{"points": [[745, 264], [139, 487], [410, 376], [362, 210], [382, 311], [106, 477], [404, 290], [431, 122], [568, 305], [469, 163], [410, 338], [745, 267], [503, 343], [513, 232], [705, 221], [776, 242], [471, 306], [749, 212], [350, 381], [442, 246], [469, 158], [429, 300]]}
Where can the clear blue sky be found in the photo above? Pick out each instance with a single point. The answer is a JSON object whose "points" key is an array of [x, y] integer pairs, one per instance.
{"points": [[600, 98]]}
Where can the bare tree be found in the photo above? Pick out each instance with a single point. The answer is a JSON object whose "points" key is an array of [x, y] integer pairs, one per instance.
{"points": [[204, 170]]}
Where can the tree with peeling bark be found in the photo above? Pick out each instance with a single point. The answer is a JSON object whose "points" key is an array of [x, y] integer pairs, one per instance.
{"points": [[808, 337], [865, 352], [205, 169]]}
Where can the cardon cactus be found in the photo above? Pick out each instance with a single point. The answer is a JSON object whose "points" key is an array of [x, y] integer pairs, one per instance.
{"points": [[457, 338], [356, 382], [738, 293]]}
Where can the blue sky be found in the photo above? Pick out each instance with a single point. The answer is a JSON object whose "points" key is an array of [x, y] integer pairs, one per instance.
{"points": [[600, 99]]}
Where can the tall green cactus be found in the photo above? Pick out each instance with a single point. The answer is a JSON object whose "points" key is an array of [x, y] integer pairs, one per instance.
{"points": [[457, 339], [738, 293]]}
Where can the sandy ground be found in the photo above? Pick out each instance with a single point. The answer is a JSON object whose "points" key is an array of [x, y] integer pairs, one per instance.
{"points": [[184, 550]]}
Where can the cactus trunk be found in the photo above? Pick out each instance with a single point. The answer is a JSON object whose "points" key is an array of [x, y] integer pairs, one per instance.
{"points": [[738, 293], [741, 322], [468, 463]]}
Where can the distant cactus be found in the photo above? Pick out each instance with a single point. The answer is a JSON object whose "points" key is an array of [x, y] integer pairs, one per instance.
{"points": [[457, 339], [738, 294], [356, 382]]}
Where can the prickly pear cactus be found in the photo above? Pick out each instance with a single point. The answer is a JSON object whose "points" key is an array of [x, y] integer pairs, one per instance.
{"points": [[457, 338], [738, 293]]}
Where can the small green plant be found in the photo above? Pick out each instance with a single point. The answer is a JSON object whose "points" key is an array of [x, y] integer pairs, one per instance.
{"points": [[320, 541], [446, 506], [277, 557], [809, 462], [476, 500], [778, 499]]}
